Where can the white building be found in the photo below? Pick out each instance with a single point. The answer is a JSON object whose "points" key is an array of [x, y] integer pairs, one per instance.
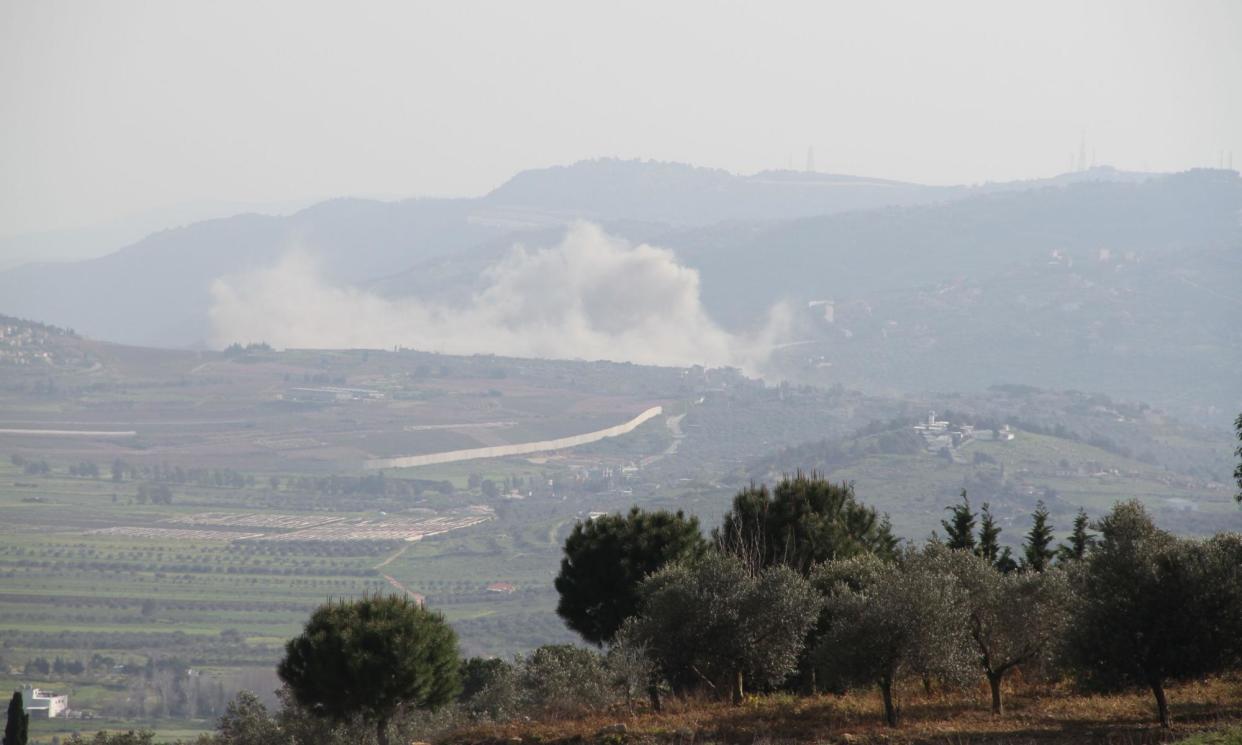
{"points": [[932, 426], [41, 704]]}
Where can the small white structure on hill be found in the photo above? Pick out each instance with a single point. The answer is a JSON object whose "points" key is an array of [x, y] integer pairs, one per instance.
{"points": [[940, 433], [41, 704], [932, 425]]}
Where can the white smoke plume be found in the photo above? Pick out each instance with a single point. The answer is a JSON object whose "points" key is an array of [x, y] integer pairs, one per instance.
{"points": [[591, 297]]}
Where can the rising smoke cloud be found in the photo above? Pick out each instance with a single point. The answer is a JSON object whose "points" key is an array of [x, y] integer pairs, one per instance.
{"points": [[592, 296]]}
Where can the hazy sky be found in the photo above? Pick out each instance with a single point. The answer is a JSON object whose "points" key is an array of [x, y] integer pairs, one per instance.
{"points": [[111, 108]]}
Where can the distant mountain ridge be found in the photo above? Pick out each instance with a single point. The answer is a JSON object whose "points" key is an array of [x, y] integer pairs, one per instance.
{"points": [[680, 194], [870, 245], [156, 291]]}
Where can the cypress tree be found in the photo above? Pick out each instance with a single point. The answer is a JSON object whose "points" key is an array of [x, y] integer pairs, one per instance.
{"points": [[960, 527], [1080, 539], [15, 729], [1038, 547], [989, 536], [989, 548], [1237, 472]]}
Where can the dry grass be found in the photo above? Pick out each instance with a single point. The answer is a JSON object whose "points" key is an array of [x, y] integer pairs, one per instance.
{"points": [[1047, 715]]}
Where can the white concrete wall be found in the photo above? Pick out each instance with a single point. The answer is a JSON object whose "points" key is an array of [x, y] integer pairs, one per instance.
{"points": [[524, 448]]}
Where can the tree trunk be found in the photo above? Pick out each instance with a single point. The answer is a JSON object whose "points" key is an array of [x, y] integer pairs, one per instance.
{"points": [[994, 680], [653, 693], [738, 691], [890, 711], [1162, 704], [381, 731]]}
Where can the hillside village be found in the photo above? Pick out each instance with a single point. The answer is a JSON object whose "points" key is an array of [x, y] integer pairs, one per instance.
{"points": [[32, 347]]}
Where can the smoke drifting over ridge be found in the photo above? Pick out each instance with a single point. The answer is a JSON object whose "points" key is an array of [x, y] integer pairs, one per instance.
{"points": [[590, 297]]}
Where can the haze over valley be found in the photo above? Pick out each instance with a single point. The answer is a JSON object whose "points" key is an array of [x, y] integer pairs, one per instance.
{"points": [[653, 367]]}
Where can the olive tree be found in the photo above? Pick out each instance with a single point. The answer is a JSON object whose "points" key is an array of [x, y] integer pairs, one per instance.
{"points": [[715, 622], [1152, 607], [371, 657], [488, 687], [477, 673], [887, 620], [246, 721], [1013, 618], [605, 559], [558, 680], [631, 668], [490, 691]]}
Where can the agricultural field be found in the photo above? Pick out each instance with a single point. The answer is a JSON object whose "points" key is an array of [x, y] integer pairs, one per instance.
{"points": [[166, 612], [181, 513]]}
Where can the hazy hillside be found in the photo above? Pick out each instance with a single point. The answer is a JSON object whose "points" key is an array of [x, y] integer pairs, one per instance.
{"points": [[1136, 272], [851, 255], [1125, 288], [156, 291], [1069, 450]]}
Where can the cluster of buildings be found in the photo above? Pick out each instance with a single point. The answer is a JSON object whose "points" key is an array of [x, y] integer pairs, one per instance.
{"points": [[940, 433], [21, 344], [34, 344]]}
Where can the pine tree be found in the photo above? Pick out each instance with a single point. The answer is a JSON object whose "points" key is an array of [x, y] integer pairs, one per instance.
{"points": [[1038, 550], [960, 526], [372, 657], [804, 520], [15, 729], [1080, 540], [605, 560]]}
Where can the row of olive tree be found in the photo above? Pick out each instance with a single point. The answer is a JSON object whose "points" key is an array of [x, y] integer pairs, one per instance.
{"points": [[807, 588], [1150, 607], [803, 521], [935, 613]]}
